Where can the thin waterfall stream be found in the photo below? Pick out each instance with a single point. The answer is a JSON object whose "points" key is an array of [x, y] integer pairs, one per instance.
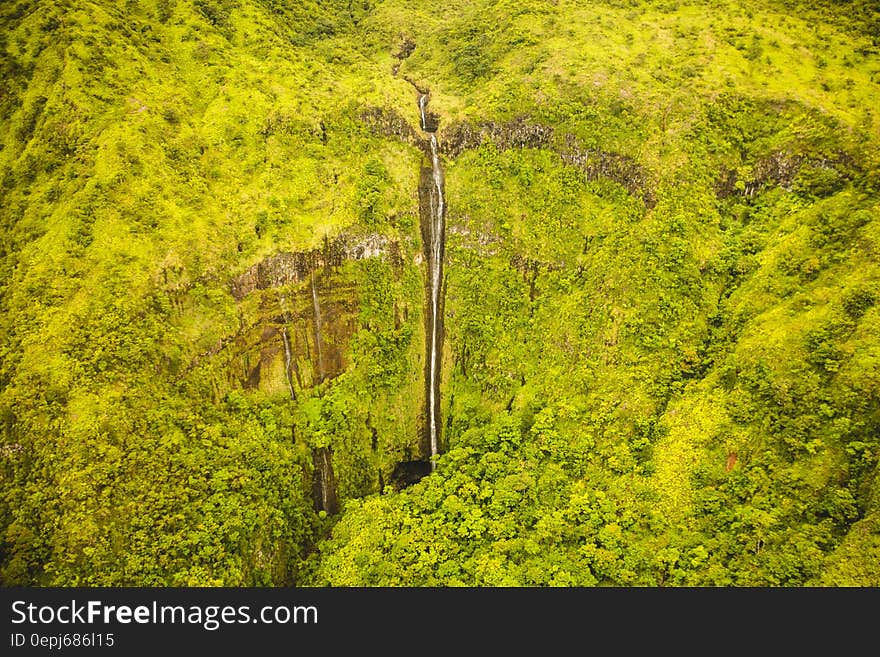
{"points": [[288, 359], [316, 309], [433, 210]]}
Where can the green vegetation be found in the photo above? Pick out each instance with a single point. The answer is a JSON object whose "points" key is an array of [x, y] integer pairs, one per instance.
{"points": [[662, 302]]}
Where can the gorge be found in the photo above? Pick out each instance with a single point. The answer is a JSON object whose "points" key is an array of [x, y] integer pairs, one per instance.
{"points": [[482, 293], [432, 213]]}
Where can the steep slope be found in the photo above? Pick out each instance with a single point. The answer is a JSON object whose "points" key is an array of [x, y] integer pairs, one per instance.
{"points": [[154, 157], [661, 306], [660, 360]]}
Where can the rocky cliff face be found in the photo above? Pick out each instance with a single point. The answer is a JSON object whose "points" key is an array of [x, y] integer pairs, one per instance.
{"points": [[307, 313], [318, 350], [818, 175], [295, 267], [518, 133], [523, 133]]}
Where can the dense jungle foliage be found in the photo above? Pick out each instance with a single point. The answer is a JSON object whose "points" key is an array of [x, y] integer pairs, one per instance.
{"points": [[661, 361]]}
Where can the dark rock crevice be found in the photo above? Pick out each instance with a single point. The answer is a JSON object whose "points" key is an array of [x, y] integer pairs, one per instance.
{"points": [[407, 473]]}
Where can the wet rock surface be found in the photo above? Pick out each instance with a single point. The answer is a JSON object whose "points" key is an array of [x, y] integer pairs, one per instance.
{"points": [[294, 267], [622, 169], [389, 123], [781, 169], [408, 473], [302, 336], [517, 133], [523, 133], [317, 352]]}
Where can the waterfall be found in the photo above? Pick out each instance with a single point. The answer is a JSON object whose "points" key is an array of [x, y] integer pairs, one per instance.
{"points": [[316, 307], [287, 362], [423, 102], [324, 481], [433, 236]]}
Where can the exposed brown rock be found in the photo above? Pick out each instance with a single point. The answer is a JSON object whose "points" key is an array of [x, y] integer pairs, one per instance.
{"points": [[731, 461], [388, 123], [294, 267], [517, 133]]}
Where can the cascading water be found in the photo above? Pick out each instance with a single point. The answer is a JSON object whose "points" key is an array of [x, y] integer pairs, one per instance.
{"points": [[423, 103], [316, 309], [288, 359], [433, 227]]}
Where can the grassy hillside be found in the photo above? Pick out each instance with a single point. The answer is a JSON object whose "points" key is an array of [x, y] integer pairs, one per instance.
{"points": [[662, 353]]}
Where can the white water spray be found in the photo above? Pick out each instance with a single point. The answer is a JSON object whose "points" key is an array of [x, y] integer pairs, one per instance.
{"points": [[436, 265]]}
